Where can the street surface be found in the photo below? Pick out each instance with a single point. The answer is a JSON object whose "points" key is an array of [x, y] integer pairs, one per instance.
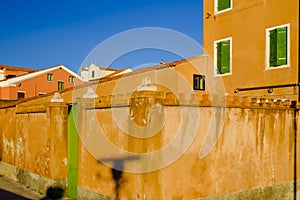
{"points": [[4, 195]]}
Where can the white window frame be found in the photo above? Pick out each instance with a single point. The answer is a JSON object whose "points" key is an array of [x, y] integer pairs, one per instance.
{"points": [[71, 79], [267, 56], [216, 57], [60, 81], [225, 10], [51, 75]]}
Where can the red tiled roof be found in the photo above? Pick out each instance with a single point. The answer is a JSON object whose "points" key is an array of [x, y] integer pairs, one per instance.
{"points": [[117, 72], [13, 68]]}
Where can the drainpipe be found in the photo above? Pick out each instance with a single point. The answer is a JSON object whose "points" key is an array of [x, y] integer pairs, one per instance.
{"points": [[269, 87], [298, 57], [295, 109], [295, 119]]}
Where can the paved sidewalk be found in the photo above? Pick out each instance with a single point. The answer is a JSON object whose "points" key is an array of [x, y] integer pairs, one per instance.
{"points": [[9, 185]]}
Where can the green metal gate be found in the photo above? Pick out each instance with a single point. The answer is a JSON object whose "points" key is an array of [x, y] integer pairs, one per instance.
{"points": [[72, 151]]}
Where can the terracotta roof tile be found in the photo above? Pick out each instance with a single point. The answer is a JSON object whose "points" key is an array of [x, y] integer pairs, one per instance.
{"points": [[13, 68]]}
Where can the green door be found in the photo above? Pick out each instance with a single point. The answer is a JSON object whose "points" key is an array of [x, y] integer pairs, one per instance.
{"points": [[72, 151]]}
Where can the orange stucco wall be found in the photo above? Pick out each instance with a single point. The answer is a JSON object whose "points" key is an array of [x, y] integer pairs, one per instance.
{"points": [[33, 138], [8, 93], [255, 150], [246, 23]]}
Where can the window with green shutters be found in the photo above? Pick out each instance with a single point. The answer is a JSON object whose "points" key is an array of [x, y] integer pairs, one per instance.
{"points": [[222, 5], [60, 85], [223, 56], [49, 77], [278, 47]]}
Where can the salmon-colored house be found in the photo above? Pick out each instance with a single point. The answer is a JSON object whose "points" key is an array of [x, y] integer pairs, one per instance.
{"points": [[28, 83]]}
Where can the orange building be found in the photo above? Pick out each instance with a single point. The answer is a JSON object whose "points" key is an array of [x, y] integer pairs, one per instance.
{"points": [[7, 72], [254, 45], [32, 83]]}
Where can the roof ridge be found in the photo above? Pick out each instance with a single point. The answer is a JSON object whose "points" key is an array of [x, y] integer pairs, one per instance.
{"points": [[36, 73]]}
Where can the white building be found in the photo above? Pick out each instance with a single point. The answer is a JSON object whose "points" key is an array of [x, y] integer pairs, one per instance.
{"points": [[94, 72]]}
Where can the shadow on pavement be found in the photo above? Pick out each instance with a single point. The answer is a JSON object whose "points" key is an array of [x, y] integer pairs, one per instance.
{"points": [[5, 195], [54, 193]]}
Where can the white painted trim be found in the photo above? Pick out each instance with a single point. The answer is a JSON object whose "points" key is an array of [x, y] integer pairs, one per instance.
{"points": [[215, 57], [225, 10], [52, 77], [267, 55], [71, 72], [21, 91]]}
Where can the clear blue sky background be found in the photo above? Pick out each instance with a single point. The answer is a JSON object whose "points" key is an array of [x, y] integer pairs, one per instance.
{"points": [[40, 34]]}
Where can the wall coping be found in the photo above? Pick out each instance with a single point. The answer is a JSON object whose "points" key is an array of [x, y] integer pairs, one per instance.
{"points": [[196, 99]]}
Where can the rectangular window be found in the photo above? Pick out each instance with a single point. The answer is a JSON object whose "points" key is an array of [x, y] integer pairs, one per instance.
{"points": [[199, 82], [223, 56], [60, 85], [21, 95], [277, 46], [49, 77], [222, 5], [71, 79]]}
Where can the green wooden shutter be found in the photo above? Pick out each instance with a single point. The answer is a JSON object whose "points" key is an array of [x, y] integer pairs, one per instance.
{"points": [[219, 51], [278, 47], [273, 48], [282, 46], [225, 57], [223, 4]]}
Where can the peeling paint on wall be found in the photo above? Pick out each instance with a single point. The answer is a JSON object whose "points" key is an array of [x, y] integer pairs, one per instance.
{"points": [[43, 161], [8, 147], [20, 147]]}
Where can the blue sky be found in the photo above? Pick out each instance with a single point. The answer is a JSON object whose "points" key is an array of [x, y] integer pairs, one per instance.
{"points": [[40, 34]]}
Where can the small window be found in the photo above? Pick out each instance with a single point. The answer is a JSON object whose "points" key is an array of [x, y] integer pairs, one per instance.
{"points": [[41, 93], [223, 56], [222, 5], [49, 77], [93, 74], [10, 76], [60, 85], [71, 79], [277, 46], [21, 95], [199, 82]]}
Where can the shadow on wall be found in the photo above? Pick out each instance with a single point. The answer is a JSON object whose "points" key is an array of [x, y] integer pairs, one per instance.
{"points": [[53, 193]]}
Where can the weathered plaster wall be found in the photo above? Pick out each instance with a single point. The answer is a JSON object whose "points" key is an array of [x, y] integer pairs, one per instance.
{"points": [[33, 144], [7, 128], [255, 150]]}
